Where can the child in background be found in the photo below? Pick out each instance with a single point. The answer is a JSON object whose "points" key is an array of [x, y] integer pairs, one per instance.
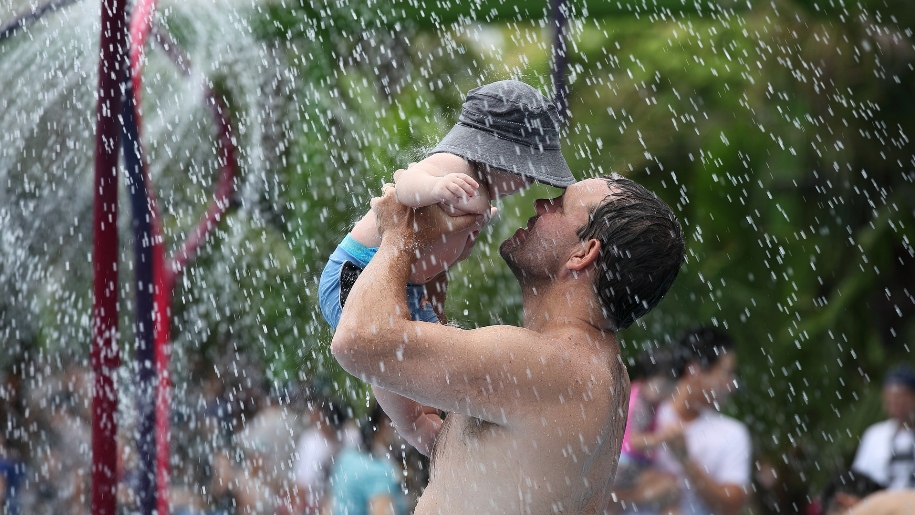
{"points": [[653, 379], [507, 137]]}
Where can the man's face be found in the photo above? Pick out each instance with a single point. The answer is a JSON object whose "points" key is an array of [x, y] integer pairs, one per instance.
{"points": [[546, 242], [899, 402]]}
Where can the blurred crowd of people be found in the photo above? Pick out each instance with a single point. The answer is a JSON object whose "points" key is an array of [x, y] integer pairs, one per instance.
{"points": [[682, 455], [239, 447], [881, 480]]}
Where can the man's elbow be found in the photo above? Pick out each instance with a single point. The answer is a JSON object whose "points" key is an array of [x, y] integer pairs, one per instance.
{"points": [[342, 346], [356, 349]]}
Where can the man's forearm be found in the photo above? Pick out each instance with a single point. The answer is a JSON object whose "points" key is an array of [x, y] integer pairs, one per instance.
{"points": [[375, 309]]}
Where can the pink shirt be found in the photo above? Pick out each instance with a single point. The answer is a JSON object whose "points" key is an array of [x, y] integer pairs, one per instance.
{"points": [[641, 419]]}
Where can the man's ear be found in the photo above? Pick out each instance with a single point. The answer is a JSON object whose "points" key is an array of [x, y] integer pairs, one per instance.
{"points": [[584, 255]]}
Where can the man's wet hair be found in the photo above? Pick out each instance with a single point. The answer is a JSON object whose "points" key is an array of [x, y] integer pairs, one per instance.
{"points": [[705, 345], [641, 250]]}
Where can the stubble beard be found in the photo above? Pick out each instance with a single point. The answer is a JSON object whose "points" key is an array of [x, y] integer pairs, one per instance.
{"points": [[507, 250], [523, 262]]}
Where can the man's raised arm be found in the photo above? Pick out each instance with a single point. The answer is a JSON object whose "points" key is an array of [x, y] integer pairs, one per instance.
{"points": [[499, 374], [378, 300], [417, 424], [376, 311]]}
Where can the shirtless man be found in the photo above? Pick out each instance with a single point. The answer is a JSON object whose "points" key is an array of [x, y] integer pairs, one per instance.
{"points": [[535, 414]]}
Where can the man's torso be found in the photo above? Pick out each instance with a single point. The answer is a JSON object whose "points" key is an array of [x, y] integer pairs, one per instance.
{"points": [[560, 462]]}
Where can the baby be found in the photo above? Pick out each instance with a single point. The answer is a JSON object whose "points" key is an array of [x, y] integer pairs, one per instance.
{"points": [[507, 137]]}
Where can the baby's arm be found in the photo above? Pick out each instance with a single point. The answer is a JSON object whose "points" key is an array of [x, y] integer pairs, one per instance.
{"points": [[441, 178]]}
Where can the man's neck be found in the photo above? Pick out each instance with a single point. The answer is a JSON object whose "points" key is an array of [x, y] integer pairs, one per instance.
{"points": [[558, 305]]}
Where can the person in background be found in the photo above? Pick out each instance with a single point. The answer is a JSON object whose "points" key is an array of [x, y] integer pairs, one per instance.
{"points": [[365, 480], [12, 462], [708, 452], [654, 376], [845, 490], [8, 479], [268, 444], [220, 496], [326, 435], [887, 449], [61, 461]]}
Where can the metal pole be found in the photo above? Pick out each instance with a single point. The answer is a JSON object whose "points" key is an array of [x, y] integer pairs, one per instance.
{"points": [[560, 58], [105, 357], [145, 281], [164, 270]]}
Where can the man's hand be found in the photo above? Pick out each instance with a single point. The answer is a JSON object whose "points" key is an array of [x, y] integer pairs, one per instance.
{"points": [[420, 228]]}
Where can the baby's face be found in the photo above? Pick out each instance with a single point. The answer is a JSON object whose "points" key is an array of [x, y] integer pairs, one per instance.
{"points": [[502, 183]]}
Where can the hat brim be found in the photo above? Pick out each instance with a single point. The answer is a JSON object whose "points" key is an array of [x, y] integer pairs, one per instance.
{"points": [[546, 166]]}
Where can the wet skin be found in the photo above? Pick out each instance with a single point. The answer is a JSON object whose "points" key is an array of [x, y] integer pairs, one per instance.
{"points": [[536, 414]]}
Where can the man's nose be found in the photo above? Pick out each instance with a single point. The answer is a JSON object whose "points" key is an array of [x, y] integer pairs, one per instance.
{"points": [[543, 205]]}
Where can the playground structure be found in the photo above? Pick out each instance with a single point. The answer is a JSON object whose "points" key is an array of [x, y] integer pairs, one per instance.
{"points": [[155, 270]]}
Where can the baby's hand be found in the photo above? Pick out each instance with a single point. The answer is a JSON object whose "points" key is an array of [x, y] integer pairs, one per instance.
{"points": [[454, 188]]}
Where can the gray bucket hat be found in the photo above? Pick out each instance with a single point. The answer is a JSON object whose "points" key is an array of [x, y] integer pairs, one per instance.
{"points": [[511, 126]]}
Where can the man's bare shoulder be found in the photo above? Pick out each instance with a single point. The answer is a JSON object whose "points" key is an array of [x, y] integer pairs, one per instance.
{"points": [[593, 351], [592, 383]]}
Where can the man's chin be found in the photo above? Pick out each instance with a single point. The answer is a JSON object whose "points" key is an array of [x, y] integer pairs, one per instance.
{"points": [[509, 254], [507, 248]]}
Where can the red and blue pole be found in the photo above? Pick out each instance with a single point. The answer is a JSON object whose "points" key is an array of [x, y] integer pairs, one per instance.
{"points": [[105, 356]]}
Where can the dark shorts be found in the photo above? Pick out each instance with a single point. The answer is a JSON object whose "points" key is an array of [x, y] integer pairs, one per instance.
{"points": [[340, 274]]}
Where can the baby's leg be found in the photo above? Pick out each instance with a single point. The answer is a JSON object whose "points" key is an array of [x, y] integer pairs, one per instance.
{"points": [[445, 253], [339, 276]]}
